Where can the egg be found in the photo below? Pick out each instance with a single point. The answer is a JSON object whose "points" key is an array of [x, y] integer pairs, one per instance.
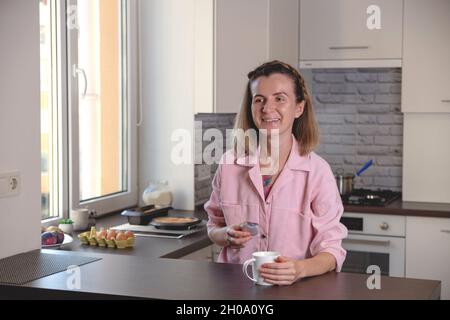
{"points": [[121, 236], [102, 234], [111, 235], [129, 234]]}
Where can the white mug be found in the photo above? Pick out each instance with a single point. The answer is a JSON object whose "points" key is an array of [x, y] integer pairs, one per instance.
{"points": [[258, 259], [80, 218]]}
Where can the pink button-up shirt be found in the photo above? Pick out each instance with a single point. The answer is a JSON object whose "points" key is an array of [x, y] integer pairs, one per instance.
{"points": [[299, 218]]}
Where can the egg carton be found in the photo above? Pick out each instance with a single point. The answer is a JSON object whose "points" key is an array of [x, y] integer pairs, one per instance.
{"points": [[86, 239]]}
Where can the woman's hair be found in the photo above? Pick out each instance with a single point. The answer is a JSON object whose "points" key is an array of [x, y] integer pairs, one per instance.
{"points": [[305, 127]]}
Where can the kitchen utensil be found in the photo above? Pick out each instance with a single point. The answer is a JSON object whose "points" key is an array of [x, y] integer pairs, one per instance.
{"points": [[346, 182], [151, 231], [171, 223], [364, 168], [143, 216]]}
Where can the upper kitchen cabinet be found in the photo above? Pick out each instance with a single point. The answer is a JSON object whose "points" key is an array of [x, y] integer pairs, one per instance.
{"points": [[426, 56], [350, 33], [248, 33]]}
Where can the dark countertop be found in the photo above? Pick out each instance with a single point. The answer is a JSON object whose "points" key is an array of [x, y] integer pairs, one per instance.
{"points": [[405, 208], [149, 247], [117, 276], [149, 270]]}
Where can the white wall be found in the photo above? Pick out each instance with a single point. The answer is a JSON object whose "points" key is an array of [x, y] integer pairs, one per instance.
{"points": [[19, 124], [204, 56], [168, 75]]}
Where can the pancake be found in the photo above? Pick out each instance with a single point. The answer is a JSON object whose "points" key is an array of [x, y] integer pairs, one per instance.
{"points": [[174, 220]]}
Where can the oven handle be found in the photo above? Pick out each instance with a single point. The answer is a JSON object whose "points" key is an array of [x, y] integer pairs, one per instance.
{"points": [[372, 242]]}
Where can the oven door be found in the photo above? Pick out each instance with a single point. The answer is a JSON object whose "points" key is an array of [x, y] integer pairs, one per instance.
{"points": [[365, 250]]}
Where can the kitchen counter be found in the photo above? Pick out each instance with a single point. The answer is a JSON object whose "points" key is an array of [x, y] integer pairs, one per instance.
{"points": [[149, 247], [117, 276], [405, 208], [150, 270]]}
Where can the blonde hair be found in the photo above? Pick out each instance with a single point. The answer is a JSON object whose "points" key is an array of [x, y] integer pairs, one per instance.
{"points": [[304, 129]]}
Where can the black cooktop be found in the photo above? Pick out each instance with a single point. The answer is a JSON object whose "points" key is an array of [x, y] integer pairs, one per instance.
{"points": [[366, 197]]}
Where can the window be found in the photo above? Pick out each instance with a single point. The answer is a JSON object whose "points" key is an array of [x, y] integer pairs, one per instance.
{"points": [[50, 111], [97, 169]]}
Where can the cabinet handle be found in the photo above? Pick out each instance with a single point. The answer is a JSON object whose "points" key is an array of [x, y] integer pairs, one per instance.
{"points": [[445, 231], [363, 241], [445, 100], [348, 47], [384, 226]]}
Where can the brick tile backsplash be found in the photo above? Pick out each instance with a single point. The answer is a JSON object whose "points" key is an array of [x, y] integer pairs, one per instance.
{"points": [[204, 173], [358, 111]]}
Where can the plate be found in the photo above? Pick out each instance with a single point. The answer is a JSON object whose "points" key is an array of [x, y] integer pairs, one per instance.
{"points": [[67, 239], [174, 222]]}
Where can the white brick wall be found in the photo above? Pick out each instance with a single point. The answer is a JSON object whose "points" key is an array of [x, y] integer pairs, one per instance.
{"points": [[359, 117], [204, 173]]}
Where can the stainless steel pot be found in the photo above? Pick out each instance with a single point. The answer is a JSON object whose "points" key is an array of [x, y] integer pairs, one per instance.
{"points": [[345, 183]]}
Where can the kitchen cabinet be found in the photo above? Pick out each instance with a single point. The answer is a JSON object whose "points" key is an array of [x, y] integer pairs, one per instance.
{"points": [[426, 56], [426, 156], [427, 250], [247, 34], [337, 33], [209, 253]]}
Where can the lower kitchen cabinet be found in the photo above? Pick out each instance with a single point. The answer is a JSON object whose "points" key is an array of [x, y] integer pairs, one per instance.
{"points": [[427, 250], [426, 155], [209, 254]]}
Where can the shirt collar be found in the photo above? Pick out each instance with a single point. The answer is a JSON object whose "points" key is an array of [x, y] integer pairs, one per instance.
{"points": [[297, 161]]}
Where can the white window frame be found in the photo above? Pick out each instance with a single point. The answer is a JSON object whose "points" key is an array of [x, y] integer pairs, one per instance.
{"points": [[59, 123], [67, 121], [129, 198]]}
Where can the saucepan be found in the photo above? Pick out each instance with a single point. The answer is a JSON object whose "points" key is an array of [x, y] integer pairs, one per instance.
{"points": [[345, 182]]}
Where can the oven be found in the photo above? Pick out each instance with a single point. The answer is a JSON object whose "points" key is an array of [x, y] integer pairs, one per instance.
{"points": [[374, 239]]}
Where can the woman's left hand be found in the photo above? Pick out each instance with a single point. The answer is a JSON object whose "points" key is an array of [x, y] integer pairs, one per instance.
{"points": [[284, 271]]}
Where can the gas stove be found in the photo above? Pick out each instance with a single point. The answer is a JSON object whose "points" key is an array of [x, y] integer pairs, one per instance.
{"points": [[366, 197]]}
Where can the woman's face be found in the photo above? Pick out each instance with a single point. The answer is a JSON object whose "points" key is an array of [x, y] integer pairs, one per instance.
{"points": [[274, 103]]}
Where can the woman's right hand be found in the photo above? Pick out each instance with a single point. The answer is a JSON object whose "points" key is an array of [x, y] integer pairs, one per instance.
{"points": [[235, 237]]}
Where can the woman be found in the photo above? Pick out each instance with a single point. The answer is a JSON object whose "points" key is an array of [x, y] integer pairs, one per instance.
{"points": [[297, 205]]}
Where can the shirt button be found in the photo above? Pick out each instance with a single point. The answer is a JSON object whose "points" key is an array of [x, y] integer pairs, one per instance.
{"points": [[263, 236]]}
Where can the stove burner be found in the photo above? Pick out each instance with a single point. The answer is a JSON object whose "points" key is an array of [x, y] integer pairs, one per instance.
{"points": [[365, 197]]}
